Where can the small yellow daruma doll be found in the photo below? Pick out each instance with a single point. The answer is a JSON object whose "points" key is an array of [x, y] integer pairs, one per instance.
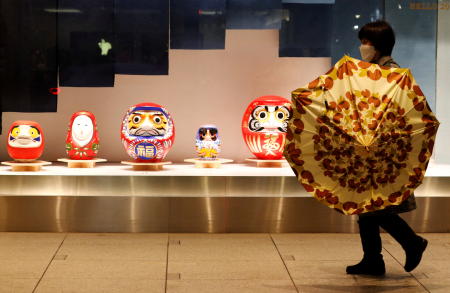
{"points": [[25, 141]]}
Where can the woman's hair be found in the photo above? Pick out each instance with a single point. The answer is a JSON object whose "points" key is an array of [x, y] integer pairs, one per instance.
{"points": [[380, 34]]}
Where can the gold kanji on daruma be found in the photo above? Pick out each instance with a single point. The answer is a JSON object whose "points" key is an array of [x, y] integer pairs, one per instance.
{"points": [[360, 136]]}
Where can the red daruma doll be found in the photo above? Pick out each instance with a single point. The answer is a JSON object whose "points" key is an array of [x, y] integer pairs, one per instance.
{"points": [[25, 141], [147, 132], [82, 141], [264, 126]]}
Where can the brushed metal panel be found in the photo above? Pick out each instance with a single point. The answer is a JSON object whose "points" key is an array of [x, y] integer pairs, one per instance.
{"points": [[112, 185], [434, 186], [188, 204], [83, 214], [264, 186], [256, 214], [194, 214], [191, 186]]}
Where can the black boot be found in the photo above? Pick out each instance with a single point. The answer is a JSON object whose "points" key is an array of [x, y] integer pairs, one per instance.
{"points": [[373, 265], [413, 244], [414, 254], [372, 262]]}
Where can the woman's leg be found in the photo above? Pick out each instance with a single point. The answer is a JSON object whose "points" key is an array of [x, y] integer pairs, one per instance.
{"points": [[372, 262], [413, 244]]}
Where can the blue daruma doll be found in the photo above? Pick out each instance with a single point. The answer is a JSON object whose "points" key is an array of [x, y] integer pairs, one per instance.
{"points": [[207, 142]]}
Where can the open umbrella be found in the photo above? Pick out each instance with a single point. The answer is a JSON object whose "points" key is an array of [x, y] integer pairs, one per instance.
{"points": [[360, 136]]}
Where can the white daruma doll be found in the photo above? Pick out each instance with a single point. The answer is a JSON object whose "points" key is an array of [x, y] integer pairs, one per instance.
{"points": [[82, 142]]}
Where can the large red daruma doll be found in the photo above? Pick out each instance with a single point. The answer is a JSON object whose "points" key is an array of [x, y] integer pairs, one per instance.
{"points": [[264, 126], [82, 142], [147, 132], [25, 141]]}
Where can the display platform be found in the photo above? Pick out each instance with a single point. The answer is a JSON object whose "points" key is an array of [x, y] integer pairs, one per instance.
{"points": [[182, 198]]}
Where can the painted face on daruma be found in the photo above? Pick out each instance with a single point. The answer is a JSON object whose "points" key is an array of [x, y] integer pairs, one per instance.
{"points": [[25, 136], [207, 134], [269, 118], [82, 130], [147, 123]]}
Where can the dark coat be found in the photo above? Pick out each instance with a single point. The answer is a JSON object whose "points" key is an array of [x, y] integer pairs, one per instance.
{"points": [[410, 203]]}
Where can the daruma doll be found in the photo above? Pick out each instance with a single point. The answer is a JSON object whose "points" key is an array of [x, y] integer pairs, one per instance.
{"points": [[147, 132], [207, 142], [82, 142], [264, 126], [25, 141]]}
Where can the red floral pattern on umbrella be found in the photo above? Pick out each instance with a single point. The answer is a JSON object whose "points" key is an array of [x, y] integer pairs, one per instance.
{"points": [[360, 136]]}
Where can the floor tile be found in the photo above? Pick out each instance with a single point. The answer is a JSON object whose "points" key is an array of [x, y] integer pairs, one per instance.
{"points": [[35, 252], [29, 246], [201, 251], [335, 269], [433, 269], [322, 251], [300, 238], [13, 285], [27, 255], [151, 247], [220, 247], [436, 285], [319, 246], [437, 249], [110, 252], [117, 238], [390, 283], [29, 237], [318, 285], [106, 269], [131, 251], [22, 269], [352, 286], [230, 270], [307, 270], [221, 237], [241, 286], [89, 285]]}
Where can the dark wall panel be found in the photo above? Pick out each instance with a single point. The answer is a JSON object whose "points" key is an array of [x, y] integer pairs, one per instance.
{"points": [[142, 37], [83, 27], [306, 31], [197, 24], [415, 46], [254, 14], [348, 18], [28, 67]]}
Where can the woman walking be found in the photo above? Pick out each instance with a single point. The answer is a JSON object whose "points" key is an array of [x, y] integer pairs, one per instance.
{"points": [[377, 41]]}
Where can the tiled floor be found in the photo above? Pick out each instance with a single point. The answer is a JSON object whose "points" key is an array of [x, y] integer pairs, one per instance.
{"points": [[45, 262]]}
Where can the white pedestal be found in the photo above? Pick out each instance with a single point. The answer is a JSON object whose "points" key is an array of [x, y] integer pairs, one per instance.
{"points": [[217, 163], [32, 166], [143, 166], [268, 163], [81, 163]]}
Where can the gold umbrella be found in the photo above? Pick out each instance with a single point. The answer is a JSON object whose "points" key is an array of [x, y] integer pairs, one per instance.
{"points": [[360, 136]]}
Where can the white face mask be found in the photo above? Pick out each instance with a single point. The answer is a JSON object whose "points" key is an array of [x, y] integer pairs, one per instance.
{"points": [[367, 52]]}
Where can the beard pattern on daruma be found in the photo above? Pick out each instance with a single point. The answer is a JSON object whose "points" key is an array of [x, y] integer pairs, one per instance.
{"points": [[147, 124]]}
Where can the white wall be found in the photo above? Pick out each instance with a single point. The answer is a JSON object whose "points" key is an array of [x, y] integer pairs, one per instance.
{"points": [[442, 148], [202, 87]]}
